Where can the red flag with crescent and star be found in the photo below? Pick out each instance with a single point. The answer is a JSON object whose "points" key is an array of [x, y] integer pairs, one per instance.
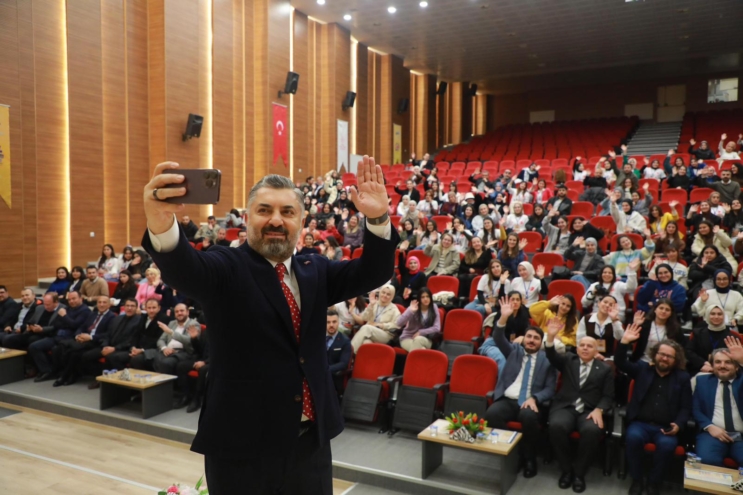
{"points": [[280, 134]]}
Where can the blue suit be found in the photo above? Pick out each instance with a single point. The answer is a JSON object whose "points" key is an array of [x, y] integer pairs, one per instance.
{"points": [[256, 366], [503, 410], [711, 450], [639, 433]]}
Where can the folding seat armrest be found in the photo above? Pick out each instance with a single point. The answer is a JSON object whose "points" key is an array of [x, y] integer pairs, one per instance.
{"points": [[620, 426], [441, 386], [391, 379], [343, 372], [490, 395]]}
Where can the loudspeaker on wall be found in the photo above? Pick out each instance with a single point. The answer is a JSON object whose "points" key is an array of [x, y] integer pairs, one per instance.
{"points": [[193, 126], [291, 84], [442, 88], [349, 100], [402, 106]]}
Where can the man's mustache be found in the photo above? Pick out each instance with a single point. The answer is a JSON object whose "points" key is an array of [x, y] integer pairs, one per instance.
{"points": [[274, 230]]}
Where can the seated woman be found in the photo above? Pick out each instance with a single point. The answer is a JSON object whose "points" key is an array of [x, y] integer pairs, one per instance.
{"points": [[412, 279], [702, 270], [627, 219], [670, 236], [558, 238], [62, 283], [408, 237], [460, 234], [534, 224], [475, 261], [564, 309], [604, 325], [580, 227], [309, 246], [353, 234], [152, 288], [428, 205], [490, 288], [712, 235], [109, 265], [699, 213], [660, 323], [609, 285], [77, 277], [125, 289], [730, 300], [378, 321], [346, 310], [444, 257], [627, 253], [659, 220], [490, 234], [671, 256], [331, 249], [706, 338], [310, 229], [512, 254], [513, 317], [420, 323], [529, 284], [516, 220], [661, 286], [429, 236]]}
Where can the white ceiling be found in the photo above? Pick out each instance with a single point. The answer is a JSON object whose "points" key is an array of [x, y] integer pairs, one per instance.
{"points": [[497, 42]]}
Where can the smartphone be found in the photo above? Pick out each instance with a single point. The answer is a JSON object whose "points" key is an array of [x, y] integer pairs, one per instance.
{"points": [[202, 185]]}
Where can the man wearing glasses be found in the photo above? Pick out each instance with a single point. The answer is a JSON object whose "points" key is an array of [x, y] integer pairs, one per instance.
{"points": [[659, 407]]}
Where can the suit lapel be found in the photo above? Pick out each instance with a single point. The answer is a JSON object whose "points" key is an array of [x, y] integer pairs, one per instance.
{"points": [[306, 274], [268, 281]]}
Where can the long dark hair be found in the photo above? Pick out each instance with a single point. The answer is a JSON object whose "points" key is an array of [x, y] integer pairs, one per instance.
{"points": [[360, 303], [673, 328], [431, 313], [129, 283], [508, 253], [127, 249], [67, 276], [78, 269], [103, 254], [571, 320]]}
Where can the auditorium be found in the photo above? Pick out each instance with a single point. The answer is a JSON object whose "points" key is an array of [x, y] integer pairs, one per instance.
{"points": [[518, 222]]}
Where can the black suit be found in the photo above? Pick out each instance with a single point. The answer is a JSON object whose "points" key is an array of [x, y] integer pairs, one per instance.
{"points": [[9, 310], [144, 337], [200, 353], [257, 366], [566, 206], [120, 334], [597, 392], [66, 356], [339, 355]]}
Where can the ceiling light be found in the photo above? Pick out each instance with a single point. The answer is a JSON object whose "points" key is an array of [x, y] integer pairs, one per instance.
{"points": [[320, 2], [347, 17], [423, 4], [391, 10]]}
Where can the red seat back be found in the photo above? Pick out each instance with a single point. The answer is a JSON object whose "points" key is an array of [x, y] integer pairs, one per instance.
{"points": [[373, 361], [534, 241], [112, 287], [473, 375], [562, 287], [463, 324], [232, 234], [424, 368], [476, 280], [421, 255], [548, 260], [357, 253], [583, 209], [440, 283], [700, 194]]}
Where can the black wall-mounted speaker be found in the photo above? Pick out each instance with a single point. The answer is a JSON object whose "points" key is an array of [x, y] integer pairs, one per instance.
{"points": [[442, 88], [473, 90], [402, 105], [349, 100], [291, 84], [193, 126]]}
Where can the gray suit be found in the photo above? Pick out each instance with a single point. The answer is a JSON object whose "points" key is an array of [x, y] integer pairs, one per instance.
{"points": [[167, 364], [543, 379]]}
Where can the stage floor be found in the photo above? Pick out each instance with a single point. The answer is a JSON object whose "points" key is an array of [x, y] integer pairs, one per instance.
{"points": [[380, 464]]}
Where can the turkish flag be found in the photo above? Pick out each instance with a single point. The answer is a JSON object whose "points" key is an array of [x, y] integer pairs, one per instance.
{"points": [[280, 134]]}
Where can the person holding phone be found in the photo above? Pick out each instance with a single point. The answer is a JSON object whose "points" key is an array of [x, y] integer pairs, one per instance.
{"points": [[265, 311], [658, 409]]}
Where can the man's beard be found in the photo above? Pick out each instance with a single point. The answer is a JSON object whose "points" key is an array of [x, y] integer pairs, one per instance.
{"points": [[273, 249]]}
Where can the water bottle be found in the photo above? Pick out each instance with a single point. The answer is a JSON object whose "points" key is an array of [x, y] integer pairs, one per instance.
{"points": [[493, 436], [434, 431], [480, 437]]}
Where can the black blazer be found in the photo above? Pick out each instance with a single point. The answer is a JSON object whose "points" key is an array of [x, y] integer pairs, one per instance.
{"points": [[700, 345], [598, 391], [103, 325], [566, 206], [576, 255], [256, 366], [145, 336], [9, 310], [120, 332], [201, 348], [679, 393], [642, 342], [339, 354]]}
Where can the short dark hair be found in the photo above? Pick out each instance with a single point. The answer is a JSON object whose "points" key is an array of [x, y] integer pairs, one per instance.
{"points": [[53, 295], [129, 299], [275, 181], [2, 287], [535, 329], [73, 292], [332, 312], [211, 217], [91, 266], [151, 299]]}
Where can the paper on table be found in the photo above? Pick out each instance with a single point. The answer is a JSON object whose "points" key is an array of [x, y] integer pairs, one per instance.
{"points": [[709, 476], [504, 436]]}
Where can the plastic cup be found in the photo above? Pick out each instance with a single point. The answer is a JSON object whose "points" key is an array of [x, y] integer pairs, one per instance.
{"points": [[493, 436], [434, 431]]}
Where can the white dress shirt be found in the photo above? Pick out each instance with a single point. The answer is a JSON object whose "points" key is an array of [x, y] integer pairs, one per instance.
{"points": [[514, 390], [718, 418]]}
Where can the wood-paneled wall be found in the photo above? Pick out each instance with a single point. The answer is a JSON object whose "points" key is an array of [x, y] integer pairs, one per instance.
{"points": [[100, 92]]}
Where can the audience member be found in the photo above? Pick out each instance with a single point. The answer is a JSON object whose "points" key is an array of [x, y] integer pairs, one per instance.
{"points": [[151, 289], [512, 254], [528, 283], [126, 257], [712, 235], [444, 257], [125, 289], [514, 325], [604, 326], [378, 321], [661, 324], [558, 237], [475, 261], [199, 362], [661, 286], [703, 269], [587, 262], [346, 311], [420, 323], [109, 265], [562, 312], [242, 236], [706, 338], [561, 202], [77, 277], [173, 346], [62, 283], [412, 279], [8, 308], [207, 231], [490, 287], [40, 325], [339, 350], [190, 230], [142, 262], [93, 287], [21, 314], [143, 341]]}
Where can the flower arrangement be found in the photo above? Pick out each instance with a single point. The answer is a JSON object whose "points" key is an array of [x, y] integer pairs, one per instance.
{"points": [[470, 423], [178, 489]]}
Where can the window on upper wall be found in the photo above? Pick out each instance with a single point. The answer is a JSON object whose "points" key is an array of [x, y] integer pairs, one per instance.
{"points": [[722, 90]]}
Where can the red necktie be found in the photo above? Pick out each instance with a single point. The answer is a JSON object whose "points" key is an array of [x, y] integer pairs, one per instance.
{"points": [[308, 407]]}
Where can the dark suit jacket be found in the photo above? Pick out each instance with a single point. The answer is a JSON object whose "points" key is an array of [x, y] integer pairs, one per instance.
{"points": [[103, 325], [339, 354], [9, 310], [121, 331], [545, 376], [703, 406], [598, 391], [700, 345], [565, 207], [679, 392], [576, 255], [145, 337], [201, 347], [48, 330], [256, 365], [75, 317]]}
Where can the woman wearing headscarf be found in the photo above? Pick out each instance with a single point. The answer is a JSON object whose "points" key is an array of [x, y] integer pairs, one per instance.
{"points": [[712, 235], [661, 286], [660, 324], [731, 301], [527, 284], [412, 279], [702, 270], [706, 338], [627, 217]]}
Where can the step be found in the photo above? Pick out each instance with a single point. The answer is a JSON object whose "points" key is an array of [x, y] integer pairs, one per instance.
{"points": [[44, 283]]}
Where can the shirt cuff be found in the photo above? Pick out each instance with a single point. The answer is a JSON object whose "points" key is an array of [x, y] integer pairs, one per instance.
{"points": [[547, 343], [168, 240], [383, 231]]}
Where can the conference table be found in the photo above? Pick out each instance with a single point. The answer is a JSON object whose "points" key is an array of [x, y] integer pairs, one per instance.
{"points": [[714, 488], [11, 365], [156, 390]]}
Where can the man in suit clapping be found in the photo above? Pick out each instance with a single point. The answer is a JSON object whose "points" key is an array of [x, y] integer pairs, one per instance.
{"points": [[266, 312], [587, 392]]}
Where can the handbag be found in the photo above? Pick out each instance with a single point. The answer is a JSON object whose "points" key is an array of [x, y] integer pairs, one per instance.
{"points": [[561, 273]]}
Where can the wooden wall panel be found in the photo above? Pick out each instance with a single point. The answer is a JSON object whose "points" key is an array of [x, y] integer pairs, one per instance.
{"points": [[262, 130], [115, 171], [28, 159], [85, 81], [316, 97], [250, 116], [156, 81], [10, 94], [223, 106], [277, 62], [303, 165], [238, 91], [341, 83], [52, 138], [362, 100], [400, 89], [455, 120], [138, 126], [384, 124]]}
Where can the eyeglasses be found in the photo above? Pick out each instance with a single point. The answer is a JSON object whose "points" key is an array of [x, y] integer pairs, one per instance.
{"points": [[665, 356]]}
